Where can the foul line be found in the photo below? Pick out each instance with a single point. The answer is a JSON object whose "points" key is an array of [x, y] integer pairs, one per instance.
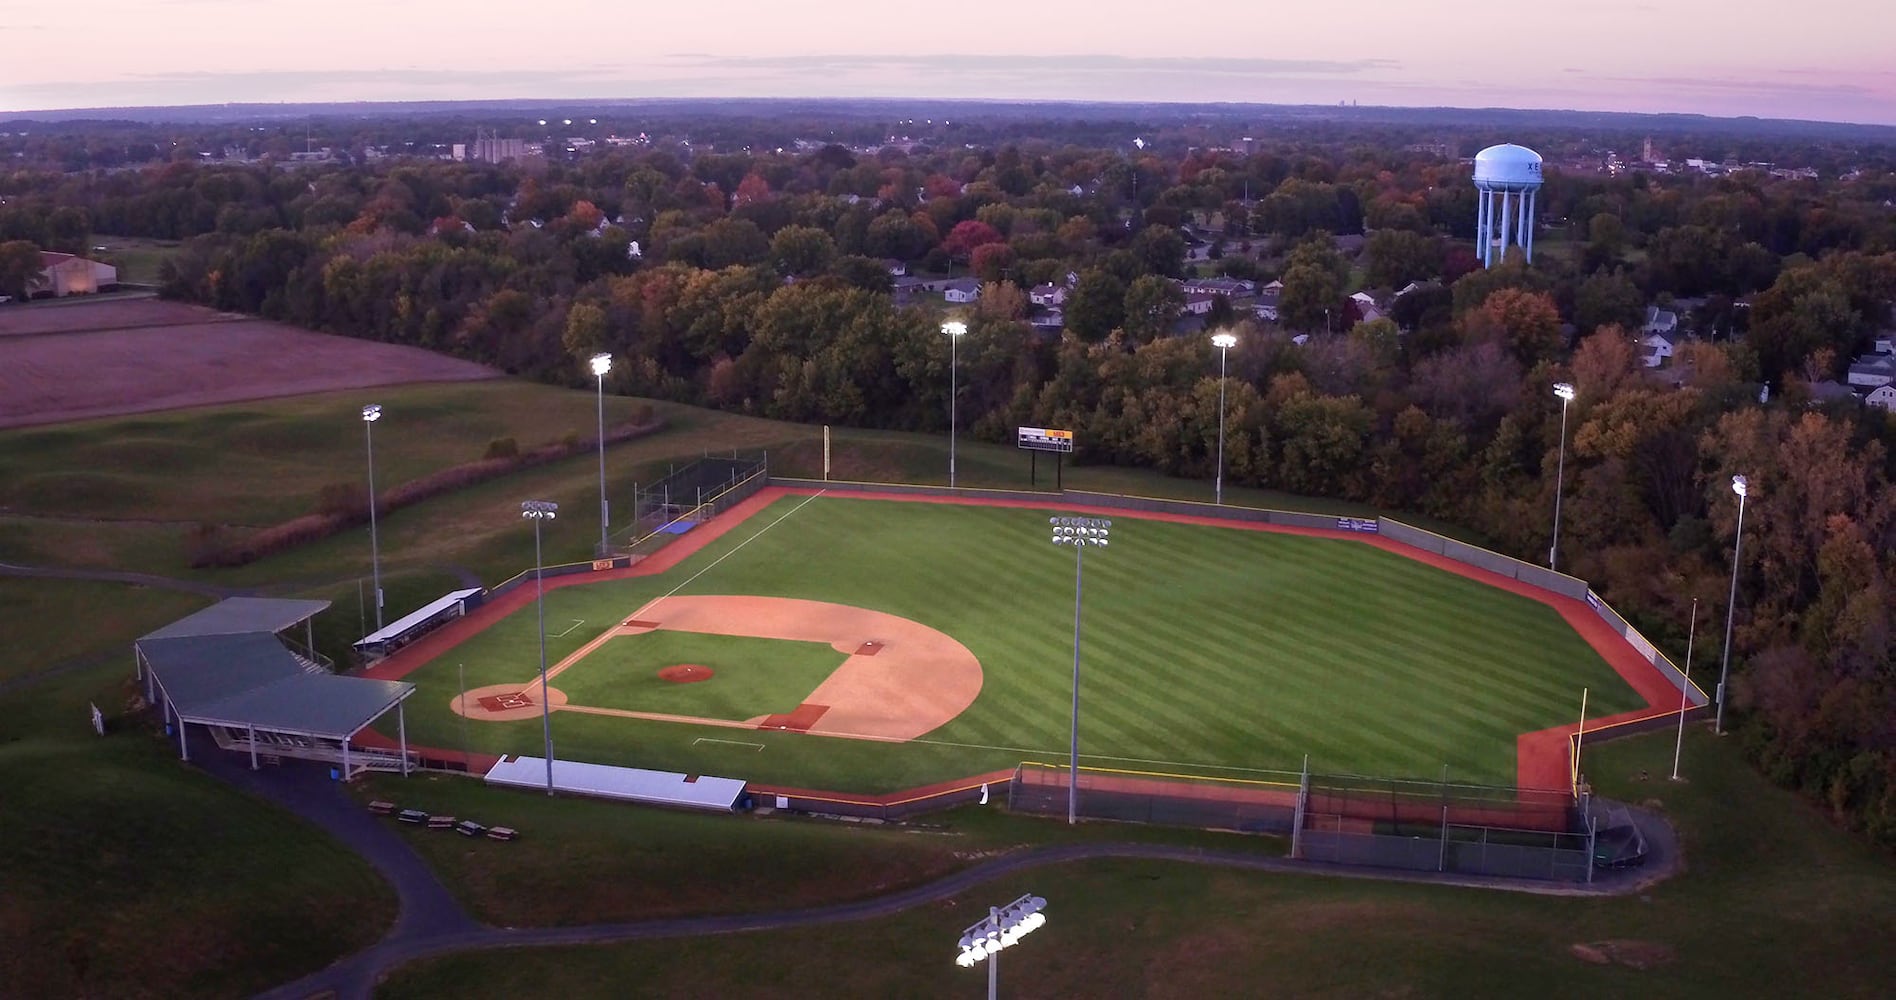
{"points": [[577, 622], [735, 743], [740, 545]]}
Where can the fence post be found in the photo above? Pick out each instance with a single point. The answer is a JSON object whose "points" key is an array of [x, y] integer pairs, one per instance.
{"points": [[1297, 820], [1441, 863], [1593, 830]]}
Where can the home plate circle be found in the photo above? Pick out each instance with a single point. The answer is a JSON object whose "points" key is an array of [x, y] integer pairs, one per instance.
{"points": [[686, 673]]}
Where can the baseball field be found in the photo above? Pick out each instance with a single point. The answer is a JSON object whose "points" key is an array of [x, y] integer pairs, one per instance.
{"points": [[871, 645]]}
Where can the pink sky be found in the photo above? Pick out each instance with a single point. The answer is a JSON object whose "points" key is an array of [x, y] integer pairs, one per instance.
{"points": [[1818, 59]]}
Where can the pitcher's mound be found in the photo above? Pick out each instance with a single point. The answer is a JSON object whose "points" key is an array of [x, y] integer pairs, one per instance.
{"points": [[685, 673]]}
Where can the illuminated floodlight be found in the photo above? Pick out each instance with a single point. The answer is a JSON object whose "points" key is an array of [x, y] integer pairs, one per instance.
{"points": [[1224, 341], [543, 510], [1564, 390], [1741, 486], [372, 412], [601, 364]]}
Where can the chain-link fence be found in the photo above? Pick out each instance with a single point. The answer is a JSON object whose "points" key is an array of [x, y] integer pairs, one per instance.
{"points": [[688, 496], [1263, 804]]}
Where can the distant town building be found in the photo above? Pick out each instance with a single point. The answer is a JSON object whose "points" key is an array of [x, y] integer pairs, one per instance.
{"points": [[494, 150]]}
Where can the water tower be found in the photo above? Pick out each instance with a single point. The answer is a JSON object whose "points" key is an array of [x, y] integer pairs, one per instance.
{"points": [[1508, 178]]}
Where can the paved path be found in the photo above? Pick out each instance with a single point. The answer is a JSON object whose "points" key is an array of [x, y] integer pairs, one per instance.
{"points": [[430, 927], [121, 576]]}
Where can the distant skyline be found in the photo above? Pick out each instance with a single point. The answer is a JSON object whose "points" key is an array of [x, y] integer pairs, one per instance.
{"points": [[1826, 60]]}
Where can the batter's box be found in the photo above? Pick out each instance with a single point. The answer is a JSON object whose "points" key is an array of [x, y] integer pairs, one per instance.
{"points": [[502, 702]]}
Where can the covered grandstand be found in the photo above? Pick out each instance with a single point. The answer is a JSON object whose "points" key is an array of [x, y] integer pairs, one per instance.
{"points": [[229, 669]]}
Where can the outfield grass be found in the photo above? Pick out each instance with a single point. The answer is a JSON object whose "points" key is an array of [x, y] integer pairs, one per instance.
{"points": [[751, 676], [1775, 902], [130, 874], [1211, 650]]}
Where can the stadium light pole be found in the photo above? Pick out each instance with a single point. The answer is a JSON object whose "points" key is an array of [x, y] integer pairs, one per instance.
{"points": [[1741, 486], [370, 414], [1224, 342], [1079, 532], [538, 511], [1565, 391], [1003, 927], [601, 364], [955, 329]]}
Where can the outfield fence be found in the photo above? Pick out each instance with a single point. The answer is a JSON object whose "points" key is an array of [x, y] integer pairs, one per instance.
{"points": [[1248, 805], [893, 806]]}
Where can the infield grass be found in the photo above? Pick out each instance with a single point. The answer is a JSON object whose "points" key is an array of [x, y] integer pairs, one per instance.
{"points": [[1208, 650], [750, 676]]}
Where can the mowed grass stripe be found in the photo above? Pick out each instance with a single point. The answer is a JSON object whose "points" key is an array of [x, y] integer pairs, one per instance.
{"points": [[1209, 647]]}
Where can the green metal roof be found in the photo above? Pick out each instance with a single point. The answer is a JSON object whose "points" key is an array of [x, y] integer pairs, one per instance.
{"points": [[235, 615], [252, 680]]}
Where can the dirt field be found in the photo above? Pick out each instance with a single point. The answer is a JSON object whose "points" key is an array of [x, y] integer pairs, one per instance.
{"points": [[117, 356]]}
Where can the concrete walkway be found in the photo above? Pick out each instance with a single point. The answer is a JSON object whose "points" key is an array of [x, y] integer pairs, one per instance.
{"points": [[432, 924]]}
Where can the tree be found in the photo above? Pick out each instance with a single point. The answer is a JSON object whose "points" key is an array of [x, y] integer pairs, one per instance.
{"points": [[1395, 257], [865, 273], [585, 333], [1526, 323], [991, 261], [1152, 304], [966, 236], [1097, 306], [1160, 250], [19, 268], [734, 241], [802, 251], [1312, 298], [1607, 299]]}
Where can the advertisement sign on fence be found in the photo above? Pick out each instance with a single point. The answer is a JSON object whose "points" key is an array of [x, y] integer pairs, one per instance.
{"points": [[1363, 524]]}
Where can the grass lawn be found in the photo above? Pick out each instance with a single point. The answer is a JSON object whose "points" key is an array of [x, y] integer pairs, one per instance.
{"points": [[46, 622], [129, 873], [584, 860], [1209, 649], [751, 676], [1775, 902], [139, 260]]}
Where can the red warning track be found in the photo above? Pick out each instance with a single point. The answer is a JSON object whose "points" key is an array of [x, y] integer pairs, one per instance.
{"points": [[1542, 757]]}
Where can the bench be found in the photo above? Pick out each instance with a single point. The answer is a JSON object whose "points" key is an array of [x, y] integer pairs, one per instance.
{"points": [[469, 828], [381, 808], [440, 822], [501, 833], [412, 816]]}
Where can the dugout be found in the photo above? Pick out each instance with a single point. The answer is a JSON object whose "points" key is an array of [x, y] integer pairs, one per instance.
{"points": [[420, 622], [229, 670]]}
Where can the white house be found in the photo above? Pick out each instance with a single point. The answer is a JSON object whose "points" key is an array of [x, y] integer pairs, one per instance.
{"points": [[1051, 321], [895, 267], [1199, 303], [962, 290], [1048, 295], [1227, 287], [63, 274], [1883, 396], [1885, 344], [1366, 305], [1658, 347], [1265, 308], [1873, 370], [1660, 321]]}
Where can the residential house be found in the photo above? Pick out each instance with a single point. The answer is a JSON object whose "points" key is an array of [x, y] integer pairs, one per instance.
{"points": [[895, 267], [1227, 287], [1658, 347], [63, 274], [905, 289], [1047, 295], [1660, 321], [1883, 396], [962, 290], [1885, 344], [1049, 321], [1366, 306], [1199, 303], [1265, 308], [1416, 286], [1872, 371]]}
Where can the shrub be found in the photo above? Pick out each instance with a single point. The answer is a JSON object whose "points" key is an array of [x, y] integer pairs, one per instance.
{"points": [[502, 448]]}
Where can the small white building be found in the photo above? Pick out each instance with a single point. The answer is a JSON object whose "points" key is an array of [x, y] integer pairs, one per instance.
{"points": [[1883, 396], [962, 290], [1872, 371], [1659, 320], [1048, 295], [63, 274], [1657, 347], [1199, 303]]}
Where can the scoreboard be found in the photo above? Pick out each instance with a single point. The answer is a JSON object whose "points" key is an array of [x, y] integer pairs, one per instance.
{"points": [[1046, 439]]}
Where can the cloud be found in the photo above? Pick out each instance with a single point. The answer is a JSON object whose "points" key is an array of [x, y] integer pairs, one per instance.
{"points": [[965, 63]]}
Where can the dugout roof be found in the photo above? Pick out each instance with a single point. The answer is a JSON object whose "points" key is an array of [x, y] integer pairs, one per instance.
{"points": [[235, 615]]}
